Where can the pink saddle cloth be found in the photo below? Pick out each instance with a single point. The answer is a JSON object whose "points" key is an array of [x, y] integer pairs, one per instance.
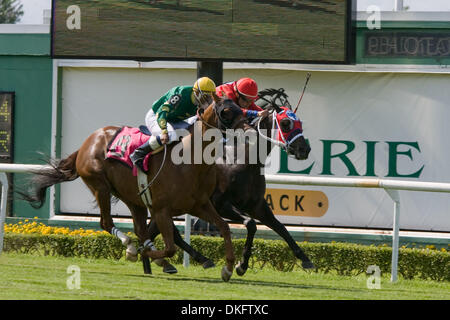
{"points": [[124, 144]]}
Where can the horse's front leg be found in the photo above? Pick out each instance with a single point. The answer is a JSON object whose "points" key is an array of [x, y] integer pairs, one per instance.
{"points": [[197, 256], [266, 216], [208, 213]]}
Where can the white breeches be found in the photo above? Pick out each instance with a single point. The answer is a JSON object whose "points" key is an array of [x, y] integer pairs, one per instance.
{"points": [[152, 124], [173, 128]]}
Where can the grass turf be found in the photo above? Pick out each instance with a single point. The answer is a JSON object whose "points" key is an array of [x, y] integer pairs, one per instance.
{"points": [[30, 277]]}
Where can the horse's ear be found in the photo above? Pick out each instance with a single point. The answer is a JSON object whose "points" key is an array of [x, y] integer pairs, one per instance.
{"points": [[271, 98], [275, 106], [216, 98]]}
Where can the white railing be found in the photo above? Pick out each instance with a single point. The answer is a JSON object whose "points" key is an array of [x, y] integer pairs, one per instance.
{"points": [[10, 168], [390, 186], [4, 202]]}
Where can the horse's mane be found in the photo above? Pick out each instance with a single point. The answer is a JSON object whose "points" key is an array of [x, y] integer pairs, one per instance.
{"points": [[273, 98]]}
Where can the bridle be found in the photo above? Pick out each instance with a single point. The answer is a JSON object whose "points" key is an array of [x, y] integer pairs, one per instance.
{"points": [[285, 144], [277, 97], [222, 123]]}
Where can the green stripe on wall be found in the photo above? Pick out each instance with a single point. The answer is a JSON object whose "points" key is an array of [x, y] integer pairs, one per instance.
{"points": [[25, 44]]}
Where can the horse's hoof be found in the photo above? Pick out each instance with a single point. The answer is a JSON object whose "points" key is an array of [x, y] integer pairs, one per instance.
{"points": [[131, 253], [168, 268], [240, 270], [226, 275], [208, 264], [131, 257], [159, 262], [307, 265]]}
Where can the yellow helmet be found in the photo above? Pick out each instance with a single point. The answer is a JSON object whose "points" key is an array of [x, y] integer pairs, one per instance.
{"points": [[204, 87]]}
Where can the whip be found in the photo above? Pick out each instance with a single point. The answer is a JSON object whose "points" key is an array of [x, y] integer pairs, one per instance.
{"points": [[308, 75]]}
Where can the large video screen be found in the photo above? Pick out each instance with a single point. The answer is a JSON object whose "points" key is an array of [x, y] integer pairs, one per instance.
{"points": [[309, 31]]}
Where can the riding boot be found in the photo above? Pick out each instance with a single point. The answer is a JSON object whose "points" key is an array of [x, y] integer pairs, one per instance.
{"points": [[138, 156]]}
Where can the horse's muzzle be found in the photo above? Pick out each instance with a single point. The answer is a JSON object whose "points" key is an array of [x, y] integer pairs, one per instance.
{"points": [[300, 154]]}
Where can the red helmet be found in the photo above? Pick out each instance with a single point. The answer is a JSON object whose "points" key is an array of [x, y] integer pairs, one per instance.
{"points": [[247, 87]]}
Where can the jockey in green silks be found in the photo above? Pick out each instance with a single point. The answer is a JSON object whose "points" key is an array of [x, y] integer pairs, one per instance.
{"points": [[177, 105]]}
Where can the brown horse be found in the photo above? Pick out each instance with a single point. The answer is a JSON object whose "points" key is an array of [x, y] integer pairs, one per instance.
{"points": [[176, 190], [240, 193]]}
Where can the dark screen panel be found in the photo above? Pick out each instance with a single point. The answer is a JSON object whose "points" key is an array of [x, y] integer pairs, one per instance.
{"points": [[6, 122], [227, 30]]}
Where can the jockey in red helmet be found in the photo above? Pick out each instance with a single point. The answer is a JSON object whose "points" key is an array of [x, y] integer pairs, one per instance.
{"points": [[243, 92]]}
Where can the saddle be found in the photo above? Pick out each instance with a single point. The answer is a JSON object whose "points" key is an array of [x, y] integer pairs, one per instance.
{"points": [[126, 140]]}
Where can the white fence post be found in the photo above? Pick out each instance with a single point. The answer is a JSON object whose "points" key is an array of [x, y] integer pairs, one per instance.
{"points": [[4, 202], [187, 238], [398, 5], [394, 194], [10, 167]]}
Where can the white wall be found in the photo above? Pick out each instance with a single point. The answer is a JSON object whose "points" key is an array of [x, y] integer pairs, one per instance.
{"points": [[345, 106]]}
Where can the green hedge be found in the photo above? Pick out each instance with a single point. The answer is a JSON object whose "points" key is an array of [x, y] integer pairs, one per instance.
{"points": [[341, 258]]}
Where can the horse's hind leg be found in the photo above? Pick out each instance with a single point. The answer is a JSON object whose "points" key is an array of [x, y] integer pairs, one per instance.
{"points": [[140, 229], [164, 222], [208, 213], [102, 195], [179, 241]]}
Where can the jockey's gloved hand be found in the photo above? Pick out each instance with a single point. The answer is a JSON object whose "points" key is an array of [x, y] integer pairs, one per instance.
{"points": [[164, 138], [263, 114]]}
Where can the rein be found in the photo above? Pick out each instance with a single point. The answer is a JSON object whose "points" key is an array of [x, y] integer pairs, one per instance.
{"points": [[157, 174], [221, 122], [209, 125]]}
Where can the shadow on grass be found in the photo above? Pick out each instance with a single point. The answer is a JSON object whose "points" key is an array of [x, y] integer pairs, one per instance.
{"points": [[242, 281]]}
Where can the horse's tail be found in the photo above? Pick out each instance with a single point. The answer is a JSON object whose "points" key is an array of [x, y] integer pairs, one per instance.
{"points": [[59, 170]]}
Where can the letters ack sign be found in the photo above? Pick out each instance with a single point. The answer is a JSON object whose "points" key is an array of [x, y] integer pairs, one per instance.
{"points": [[226, 30]]}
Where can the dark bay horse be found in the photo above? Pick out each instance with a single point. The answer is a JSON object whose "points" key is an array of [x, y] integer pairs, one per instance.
{"points": [[178, 189], [240, 193]]}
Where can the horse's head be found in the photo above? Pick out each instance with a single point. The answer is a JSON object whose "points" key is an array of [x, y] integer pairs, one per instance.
{"points": [[289, 127], [222, 114]]}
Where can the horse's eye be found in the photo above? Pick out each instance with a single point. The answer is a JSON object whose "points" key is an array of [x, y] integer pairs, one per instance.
{"points": [[227, 114], [286, 125]]}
